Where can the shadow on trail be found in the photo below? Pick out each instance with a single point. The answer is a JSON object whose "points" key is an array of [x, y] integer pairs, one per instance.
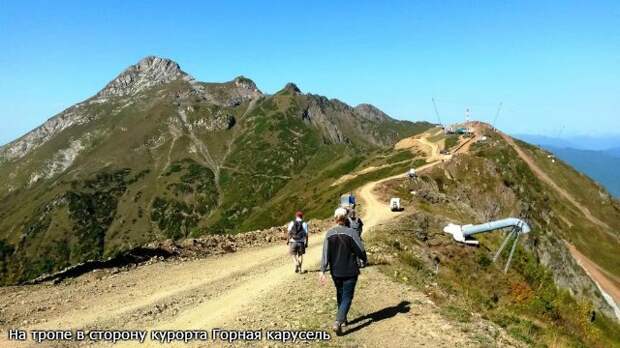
{"points": [[385, 313]]}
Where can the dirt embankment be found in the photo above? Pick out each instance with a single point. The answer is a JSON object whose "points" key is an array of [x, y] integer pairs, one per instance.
{"points": [[605, 281]]}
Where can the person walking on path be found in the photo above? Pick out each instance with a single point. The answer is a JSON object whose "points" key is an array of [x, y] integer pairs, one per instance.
{"points": [[342, 248], [355, 222], [298, 239]]}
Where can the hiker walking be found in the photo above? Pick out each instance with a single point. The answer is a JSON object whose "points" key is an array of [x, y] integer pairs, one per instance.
{"points": [[298, 239], [355, 222], [342, 248]]}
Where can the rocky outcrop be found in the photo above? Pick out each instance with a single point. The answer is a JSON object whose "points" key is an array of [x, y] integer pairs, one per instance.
{"points": [[19, 148], [246, 84], [147, 73], [61, 161], [317, 115], [227, 94], [567, 273], [291, 88], [372, 113]]}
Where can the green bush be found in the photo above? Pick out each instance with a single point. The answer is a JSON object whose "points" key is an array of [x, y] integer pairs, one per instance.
{"points": [[194, 197]]}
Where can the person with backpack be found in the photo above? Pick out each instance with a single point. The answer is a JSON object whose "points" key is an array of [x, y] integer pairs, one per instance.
{"points": [[355, 222], [298, 239], [342, 248]]}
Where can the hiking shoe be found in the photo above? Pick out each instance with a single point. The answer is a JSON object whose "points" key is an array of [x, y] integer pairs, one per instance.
{"points": [[297, 269], [337, 328]]}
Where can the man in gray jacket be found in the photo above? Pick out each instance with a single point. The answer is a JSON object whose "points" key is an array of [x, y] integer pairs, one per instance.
{"points": [[341, 249]]}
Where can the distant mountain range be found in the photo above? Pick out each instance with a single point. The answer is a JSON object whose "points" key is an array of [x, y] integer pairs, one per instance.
{"points": [[615, 152], [599, 158], [580, 142], [602, 166]]}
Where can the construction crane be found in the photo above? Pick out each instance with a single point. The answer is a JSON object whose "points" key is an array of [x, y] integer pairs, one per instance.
{"points": [[560, 131], [499, 108], [437, 113], [460, 233]]}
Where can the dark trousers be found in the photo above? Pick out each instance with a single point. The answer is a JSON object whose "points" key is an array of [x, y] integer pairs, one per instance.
{"points": [[345, 288]]}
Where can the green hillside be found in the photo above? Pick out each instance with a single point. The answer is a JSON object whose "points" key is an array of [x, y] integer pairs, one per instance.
{"points": [[602, 166], [545, 299], [165, 156]]}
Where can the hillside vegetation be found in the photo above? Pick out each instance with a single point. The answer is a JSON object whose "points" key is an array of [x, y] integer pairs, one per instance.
{"points": [[545, 298], [158, 155], [602, 166]]}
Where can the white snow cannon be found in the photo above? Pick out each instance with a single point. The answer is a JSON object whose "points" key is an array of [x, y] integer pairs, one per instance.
{"points": [[460, 233]]}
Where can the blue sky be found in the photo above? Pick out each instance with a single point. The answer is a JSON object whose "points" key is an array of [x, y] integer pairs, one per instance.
{"points": [[553, 64]]}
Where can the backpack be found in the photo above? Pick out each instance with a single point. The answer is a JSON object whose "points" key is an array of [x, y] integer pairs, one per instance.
{"points": [[297, 232]]}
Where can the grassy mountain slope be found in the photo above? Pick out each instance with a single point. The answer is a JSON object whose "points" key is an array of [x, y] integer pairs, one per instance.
{"points": [[602, 166], [158, 155], [545, 298], [287, 142], [592, 240]]}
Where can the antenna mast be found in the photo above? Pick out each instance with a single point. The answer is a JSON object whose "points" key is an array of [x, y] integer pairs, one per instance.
{"points": [[437, 112], [499, 108]]}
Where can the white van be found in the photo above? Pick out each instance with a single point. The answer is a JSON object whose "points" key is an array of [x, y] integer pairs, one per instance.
{"points": [[395, 204]]}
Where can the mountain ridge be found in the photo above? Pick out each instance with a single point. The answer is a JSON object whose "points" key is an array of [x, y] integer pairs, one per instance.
{"points": [[156, 154], [147, 73], [545, 297]]}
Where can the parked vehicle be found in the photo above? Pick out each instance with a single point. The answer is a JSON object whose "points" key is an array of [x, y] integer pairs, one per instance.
{"points": [[395, 204], [347, 200]]}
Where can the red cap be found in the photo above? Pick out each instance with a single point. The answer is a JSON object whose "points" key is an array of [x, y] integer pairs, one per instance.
{"points": [[299, 214]]}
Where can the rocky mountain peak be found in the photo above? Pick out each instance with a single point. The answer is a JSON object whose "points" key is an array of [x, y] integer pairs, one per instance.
{"points": [[291, 87], [245, 83], [148, 72], [371, 112]]}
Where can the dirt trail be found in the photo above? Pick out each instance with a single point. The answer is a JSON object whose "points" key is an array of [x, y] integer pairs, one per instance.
{"points": [[251, 289], [593, 270], [434, 148], [374, 209], [415, 142], [419, 142], [366, 170], [194, 294], [608, 284], [377, 211]]}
